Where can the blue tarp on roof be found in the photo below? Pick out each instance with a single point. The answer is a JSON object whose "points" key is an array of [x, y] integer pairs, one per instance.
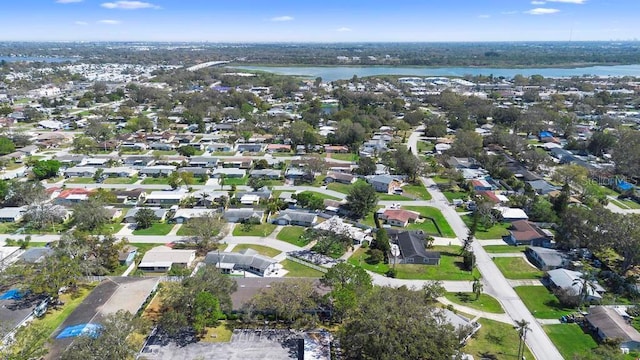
{"points": [[545, 134], [92, 330], [623, 185], [13, 294]]}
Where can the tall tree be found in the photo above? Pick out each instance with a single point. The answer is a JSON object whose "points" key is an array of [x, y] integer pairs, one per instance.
{"points": [[90, 215], [361, 200], [145, 217], [207, 230]]}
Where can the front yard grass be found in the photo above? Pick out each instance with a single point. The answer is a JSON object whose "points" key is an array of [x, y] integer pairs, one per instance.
{"points": [[320, 195], [155, 229], [450, 267], [120, 180], [369, 220], [162, 180], [451, 195], [292, 235], [541, 302], [497, 231], [236, 181], [570, 339], [502, 249], [298, 270], [517, 268], [427, 226], [263, 250], [256, 230], [345, 157], [483, 303], [496, 338], [80, 180], [418, 191], [344, 188], [392, 197], [164, 152]]}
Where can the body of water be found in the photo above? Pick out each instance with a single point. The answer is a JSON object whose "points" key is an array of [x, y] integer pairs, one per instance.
{"points": [[35, 58], [331, 73]]}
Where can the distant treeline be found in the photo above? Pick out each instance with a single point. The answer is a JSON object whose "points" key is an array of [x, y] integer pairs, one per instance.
{"points": [[512, 54]]}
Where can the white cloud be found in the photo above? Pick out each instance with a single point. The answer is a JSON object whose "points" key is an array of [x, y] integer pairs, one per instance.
{"points": [[68, 1], [282, 18], [83, 23], [578, 2], [542, 11], [484, 16], [343, 29], [129, 5], [537, 2], [109, 22]]}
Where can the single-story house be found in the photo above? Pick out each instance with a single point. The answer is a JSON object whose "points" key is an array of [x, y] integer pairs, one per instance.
{"points": [[157, 170], [130, 216], [138, 161], [73, 160], [163, 197], [219, 147], [97, 162], [12, 214], [546, 259], [196, 171], [461, 323], [250, 147], [398, 217], [336, 225], [572, 281], [336, 149], [512, 214], [162, 146], [72, 196], [542, 187], [123, 172], [162, 258], [246, 260], [340, 177], [287, 197], [35, 255], [241, 163], [242, 215], [413, 248], [228, 173], [291, 217], [130, 196], [462, 163], [523, 232], [266, 174], [294, 173], [384, 183], [273, 148], [80, 171], [263, 193], [183, 215], [249, 199], [481, 184], [610, 323], [203, 161], [127, 255]]}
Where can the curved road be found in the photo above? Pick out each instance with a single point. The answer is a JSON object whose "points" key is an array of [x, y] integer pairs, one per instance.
{"points": [[498, 287]]}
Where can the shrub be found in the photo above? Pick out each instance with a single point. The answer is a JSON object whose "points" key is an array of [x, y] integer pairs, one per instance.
{"points": [[375, 256], [391, 273]]}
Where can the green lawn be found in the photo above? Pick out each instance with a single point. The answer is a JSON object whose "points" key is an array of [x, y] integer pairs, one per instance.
{"points": [[292, 235], [392, 197], [236, 181], [155, 229], [119, 180], [368, 220], [483, 303], [320, 195], [298, 270], [450, 195], [9, 228], [439, 179], [111, 228], [256, 230], [425, 146], [438, 218], [184, 231], [501, 249], [344, 188], [517, 268], [163, 180], [345, 157], [570, 339], [263, 250], [541, 302], [450, 267], [497, 231], [164, 152], [418, 191], [625, 204], [495, 338], [223, 153], [80, 180]]}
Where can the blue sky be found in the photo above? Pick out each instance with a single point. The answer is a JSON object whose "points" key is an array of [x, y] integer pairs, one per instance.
{"points": [[319, 21]]}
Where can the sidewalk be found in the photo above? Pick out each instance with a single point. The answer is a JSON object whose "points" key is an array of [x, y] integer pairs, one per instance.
{"points": [[504, 318]]}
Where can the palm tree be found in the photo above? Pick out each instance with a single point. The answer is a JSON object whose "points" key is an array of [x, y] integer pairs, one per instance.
{"points": [[477, 287], [587, 285], [522, 326]]}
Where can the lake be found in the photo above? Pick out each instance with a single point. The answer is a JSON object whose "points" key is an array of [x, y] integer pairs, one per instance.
{"points": [[34, 58], [331, 73]]}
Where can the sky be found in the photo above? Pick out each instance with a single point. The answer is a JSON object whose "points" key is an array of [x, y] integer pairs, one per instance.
{"points": [[319, 21]]}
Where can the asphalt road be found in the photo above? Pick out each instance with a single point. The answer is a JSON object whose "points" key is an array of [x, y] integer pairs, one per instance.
{"points": [[498, 287]]}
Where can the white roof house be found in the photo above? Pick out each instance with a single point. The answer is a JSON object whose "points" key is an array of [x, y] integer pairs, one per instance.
{"points": [[249, 199], [509, 214], [182, 215], [161, 258], [336, 225]]}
